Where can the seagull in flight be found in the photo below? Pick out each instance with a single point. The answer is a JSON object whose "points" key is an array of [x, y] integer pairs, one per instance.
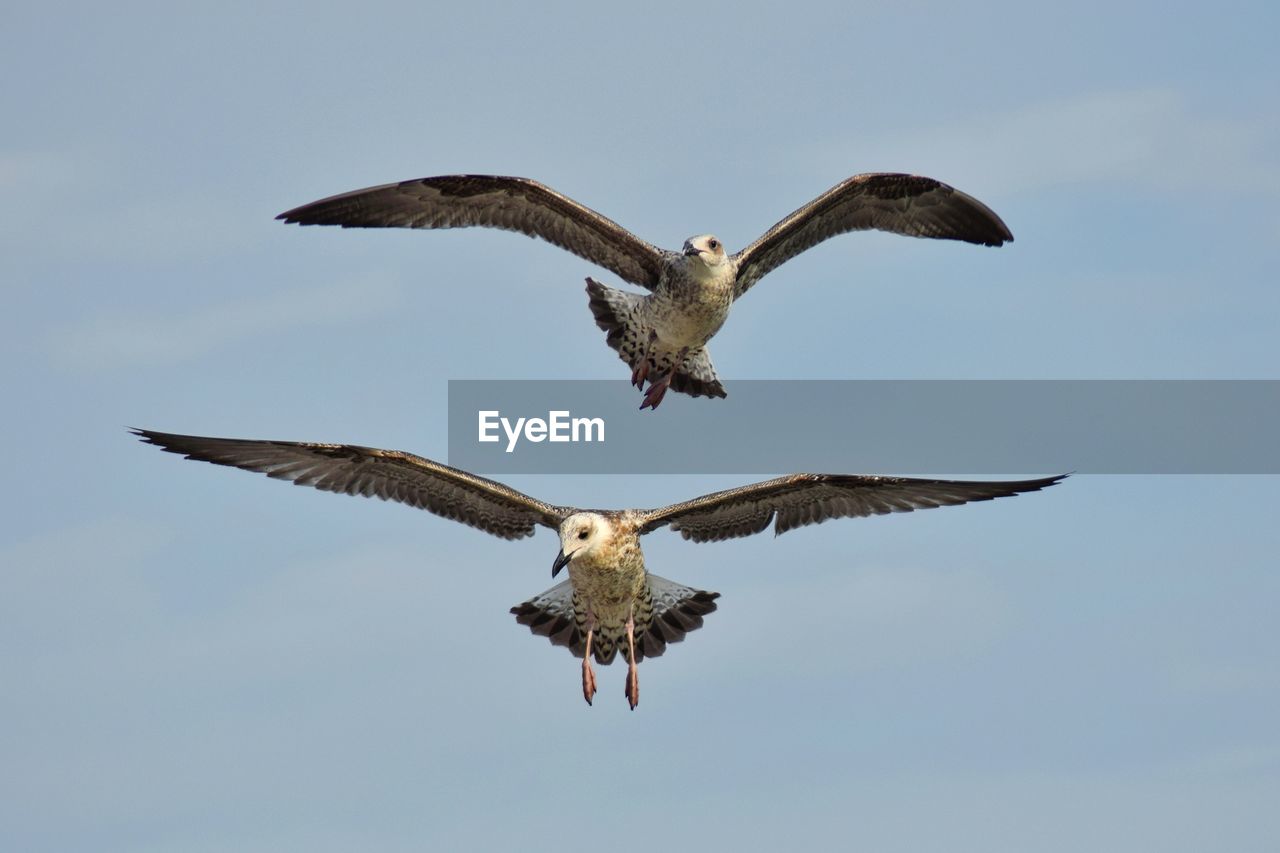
{"points": [[610, 602], [662, 335]]}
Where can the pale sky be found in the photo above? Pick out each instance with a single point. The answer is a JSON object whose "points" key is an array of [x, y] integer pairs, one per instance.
{"points": [[199, 659]]}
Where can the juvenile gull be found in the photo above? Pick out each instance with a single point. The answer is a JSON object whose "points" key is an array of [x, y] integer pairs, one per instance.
{"points": [[610, 601], [662, 335]]}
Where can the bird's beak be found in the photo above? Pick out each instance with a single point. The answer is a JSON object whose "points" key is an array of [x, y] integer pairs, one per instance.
{"points": [[691, 251], [562, 560]]}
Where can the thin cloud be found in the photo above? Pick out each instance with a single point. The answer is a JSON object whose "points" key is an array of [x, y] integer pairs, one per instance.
{"points": [[1150, 137], [198, 223], [889, 617], [26, 169], [54, 576], [87, 205], [115, 339]]}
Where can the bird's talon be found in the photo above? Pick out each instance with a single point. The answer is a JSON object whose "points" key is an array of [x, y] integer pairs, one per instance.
{"points": [[633, 689], [588, 681], [657, 390], [640, 374]]}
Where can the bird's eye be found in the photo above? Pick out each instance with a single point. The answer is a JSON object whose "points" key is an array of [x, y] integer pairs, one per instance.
{"points": [[582, 534], [713, 244]]}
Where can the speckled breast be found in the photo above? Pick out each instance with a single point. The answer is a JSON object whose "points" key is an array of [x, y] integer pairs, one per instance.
{"points": [[688, 315]]}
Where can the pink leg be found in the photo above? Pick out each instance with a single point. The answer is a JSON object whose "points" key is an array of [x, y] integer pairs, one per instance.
{"points": [[658, 390], [633, 674], [588, 675], [641, 371]]}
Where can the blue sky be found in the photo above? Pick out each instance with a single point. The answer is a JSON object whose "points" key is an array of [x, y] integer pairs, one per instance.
{"points": [[199, 659]]}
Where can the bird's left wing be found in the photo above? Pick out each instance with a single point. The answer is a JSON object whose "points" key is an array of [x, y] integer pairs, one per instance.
{"points": [[386, 474], [800, 499], [492, 201], [881, 201]]}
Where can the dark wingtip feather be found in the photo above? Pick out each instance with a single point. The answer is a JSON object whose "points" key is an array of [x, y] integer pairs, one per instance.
{"points": [[147, 436], [306, 215]]}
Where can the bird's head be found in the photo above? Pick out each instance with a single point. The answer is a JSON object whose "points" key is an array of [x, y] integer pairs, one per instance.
{"points": [[706, 249], [580, 535]]}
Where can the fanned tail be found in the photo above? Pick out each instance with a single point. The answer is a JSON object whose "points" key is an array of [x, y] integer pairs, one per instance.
{"points": [[552, 615], [664, 615], [675, 610]]}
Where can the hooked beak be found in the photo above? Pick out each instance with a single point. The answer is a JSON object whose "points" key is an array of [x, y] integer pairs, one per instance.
{"points": [[562, 560], [692, 251]]}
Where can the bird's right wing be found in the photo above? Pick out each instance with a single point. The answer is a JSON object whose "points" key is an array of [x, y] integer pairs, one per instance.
{"points": [[386, 474], [492, 201], [884, 201], [800, 499]]}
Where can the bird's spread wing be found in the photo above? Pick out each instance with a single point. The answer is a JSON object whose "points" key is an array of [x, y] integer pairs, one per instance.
{"points": [[492, 201], [903, 204], [801, 499], [387, 474]]}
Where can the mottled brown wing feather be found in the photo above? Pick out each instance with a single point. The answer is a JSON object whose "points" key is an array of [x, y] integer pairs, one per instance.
{"points": [[904, 204], [386, 474], [491, 201], [800, 499]]}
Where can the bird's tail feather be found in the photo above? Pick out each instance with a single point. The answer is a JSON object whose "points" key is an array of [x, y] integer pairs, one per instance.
{"points": [[617, 315], [665, 615], [676, 610]]}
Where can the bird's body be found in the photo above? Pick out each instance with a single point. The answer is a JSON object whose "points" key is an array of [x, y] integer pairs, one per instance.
{"points": [[662, 335], [691, 302], [610, 602], [611, 577]]}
